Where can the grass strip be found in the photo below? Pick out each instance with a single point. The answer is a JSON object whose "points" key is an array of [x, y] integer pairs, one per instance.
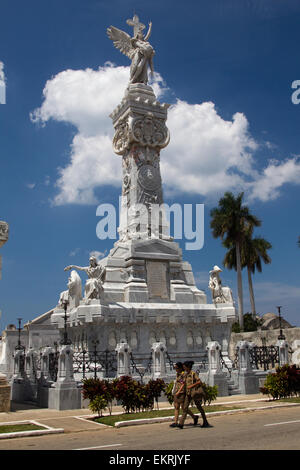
{"points": [[6, 428], [111, 420], [289, 400]]}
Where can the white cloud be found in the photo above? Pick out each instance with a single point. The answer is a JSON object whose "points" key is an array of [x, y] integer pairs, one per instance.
{"points": [[267, 185], [74, 252], [2, 84], [30, 185], [98, 254], [205, 150], [207, 155]]}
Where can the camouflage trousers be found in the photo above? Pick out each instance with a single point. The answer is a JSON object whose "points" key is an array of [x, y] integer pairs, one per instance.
{"points": [[198, 403]]}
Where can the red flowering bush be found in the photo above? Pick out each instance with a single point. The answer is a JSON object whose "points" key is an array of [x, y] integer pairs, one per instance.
{"points": [[154, 389], [285, 382], [134, 396], [126, 391], [99, 392]]}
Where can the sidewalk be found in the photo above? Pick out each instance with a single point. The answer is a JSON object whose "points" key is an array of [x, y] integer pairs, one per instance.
{"points": [[74, 420]]}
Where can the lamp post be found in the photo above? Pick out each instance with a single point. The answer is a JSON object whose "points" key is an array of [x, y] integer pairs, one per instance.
{"points": [[19, 345], [65, 339], [281, 335]]}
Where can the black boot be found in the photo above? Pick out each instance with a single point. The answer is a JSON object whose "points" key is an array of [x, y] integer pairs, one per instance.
{"points": [[206, 425], [196, 420]]}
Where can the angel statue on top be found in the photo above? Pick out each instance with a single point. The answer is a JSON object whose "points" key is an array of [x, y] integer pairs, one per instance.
{"points": [[137, 48], [96, 273]]}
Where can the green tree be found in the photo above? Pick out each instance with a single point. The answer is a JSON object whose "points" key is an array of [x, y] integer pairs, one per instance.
{"points": [[254, 251], [230, 221]]}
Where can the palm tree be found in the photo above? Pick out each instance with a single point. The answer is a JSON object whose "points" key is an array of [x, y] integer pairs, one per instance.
{"points": [[253, 252], [230, 221]]}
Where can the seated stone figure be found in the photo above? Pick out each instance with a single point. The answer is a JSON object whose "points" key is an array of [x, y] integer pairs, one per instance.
{"points": [[96, 273], [74, 293], [219, 294]]}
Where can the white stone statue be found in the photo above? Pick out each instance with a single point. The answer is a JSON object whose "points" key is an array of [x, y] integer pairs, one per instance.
{"points": [[137, 48], [96, 273], [74, 293], [219, 294]]}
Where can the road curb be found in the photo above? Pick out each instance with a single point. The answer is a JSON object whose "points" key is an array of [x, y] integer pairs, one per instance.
{"points": [[136, 422], [37, 432]]}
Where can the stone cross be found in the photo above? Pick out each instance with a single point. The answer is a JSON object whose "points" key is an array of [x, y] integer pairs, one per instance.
{"points": [[135, 23]]}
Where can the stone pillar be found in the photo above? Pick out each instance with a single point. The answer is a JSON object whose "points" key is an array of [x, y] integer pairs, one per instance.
{"points": [[248, 378], [19, 364], [159, 369], [45, 381], [123, 359], [244, 356], [64, 394], [283, 352], [215, 374], [5, 391], [30, 364], [45, 363], [140, 133]]}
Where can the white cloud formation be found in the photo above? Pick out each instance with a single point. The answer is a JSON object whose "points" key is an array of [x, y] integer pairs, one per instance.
{"points": [[2, 84], [207, 155], [98, 254], [267, 185]]}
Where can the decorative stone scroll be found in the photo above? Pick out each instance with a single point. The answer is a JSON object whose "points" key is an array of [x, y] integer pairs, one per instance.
{"points": [[147, 130]]}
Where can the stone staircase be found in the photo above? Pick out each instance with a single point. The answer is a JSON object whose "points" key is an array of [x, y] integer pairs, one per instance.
{"points": [[233, 388]]}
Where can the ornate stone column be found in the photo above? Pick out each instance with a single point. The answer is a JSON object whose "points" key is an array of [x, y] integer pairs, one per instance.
{"points": [[248, 378], [216, 376], [123, 359], [159, 369], [283, 350], [5, 389], [65, 394], [140, 134]]}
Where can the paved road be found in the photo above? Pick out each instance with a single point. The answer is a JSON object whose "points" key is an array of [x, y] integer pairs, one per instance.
{"points": [[276, 429]]}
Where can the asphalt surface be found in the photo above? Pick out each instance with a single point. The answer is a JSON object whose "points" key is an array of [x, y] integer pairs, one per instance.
{"points": [[276, 428]]}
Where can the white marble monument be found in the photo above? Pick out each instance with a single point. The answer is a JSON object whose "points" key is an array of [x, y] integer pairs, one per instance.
{"points": [[144, 292]]}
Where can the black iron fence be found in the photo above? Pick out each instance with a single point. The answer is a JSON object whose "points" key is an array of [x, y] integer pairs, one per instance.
{"points": [[264, 357], [95, 363]]}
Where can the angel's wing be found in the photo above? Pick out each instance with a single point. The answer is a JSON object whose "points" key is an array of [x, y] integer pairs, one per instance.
{"points": [[121, 40]]}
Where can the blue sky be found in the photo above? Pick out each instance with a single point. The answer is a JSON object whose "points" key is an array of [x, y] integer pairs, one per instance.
{"points": [[225, 66]]}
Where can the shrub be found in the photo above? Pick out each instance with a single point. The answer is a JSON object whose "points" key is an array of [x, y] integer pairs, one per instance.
{"points": [[283, 383], [154, 389], [127, 391], [250, 324], [211, 393], [92, 389], [97, 404], [168, 391]]}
